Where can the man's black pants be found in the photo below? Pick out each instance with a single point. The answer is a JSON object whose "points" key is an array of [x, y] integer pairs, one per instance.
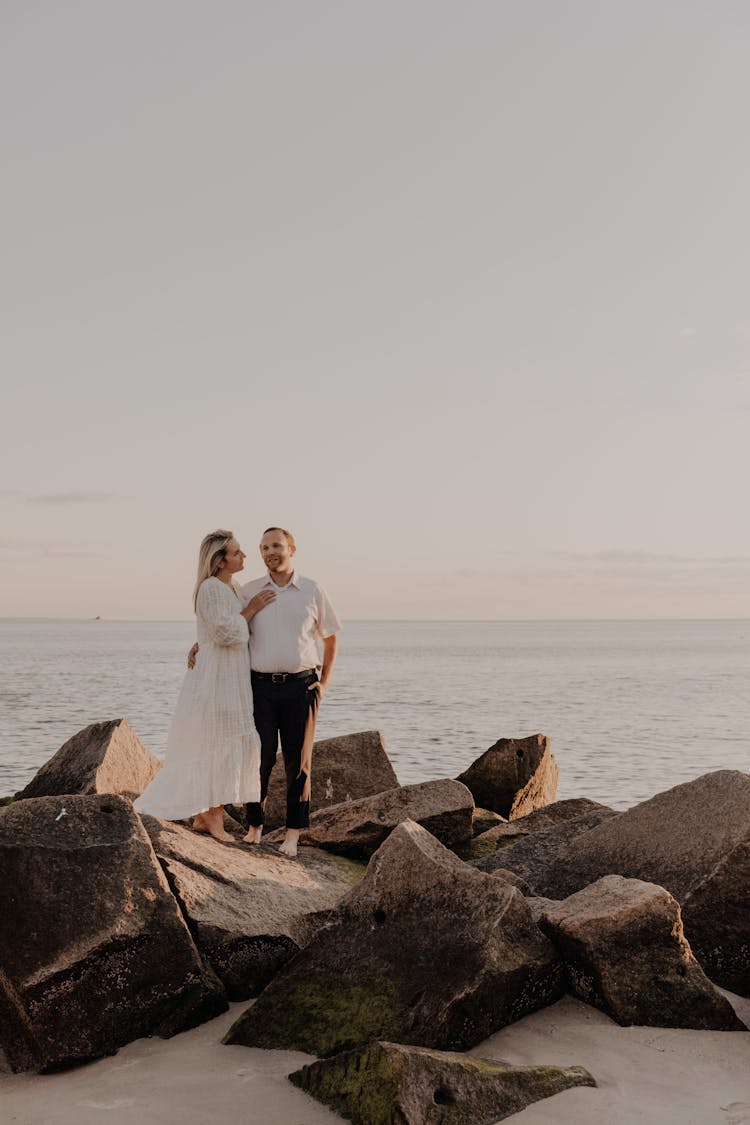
{"points": [[283, 710]]}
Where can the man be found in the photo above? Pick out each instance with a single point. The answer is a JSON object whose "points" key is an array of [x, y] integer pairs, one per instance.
{"points": [[287, 676]]}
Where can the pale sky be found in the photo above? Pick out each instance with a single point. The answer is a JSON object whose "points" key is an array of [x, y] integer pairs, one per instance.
{"points": [[456, 291]]}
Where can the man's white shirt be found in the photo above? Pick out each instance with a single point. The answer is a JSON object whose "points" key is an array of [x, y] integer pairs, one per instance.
{"points": [[284, 634]]}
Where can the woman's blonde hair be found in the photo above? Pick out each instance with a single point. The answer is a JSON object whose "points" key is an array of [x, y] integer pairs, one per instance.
{"points": [[212, 554]]}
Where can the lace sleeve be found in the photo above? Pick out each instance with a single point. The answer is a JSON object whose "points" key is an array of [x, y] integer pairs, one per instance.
{"points": [[222, 617]]}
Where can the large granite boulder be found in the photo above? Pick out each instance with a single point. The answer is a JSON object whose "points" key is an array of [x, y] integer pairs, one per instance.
{"points": [[534, 855], [384, 1083], [358, 828], [96, 952], [513, 777], [343, 769], [424, 950], [694, 840], [715, 915], [105, 757], [624, 951], [248, 909]]}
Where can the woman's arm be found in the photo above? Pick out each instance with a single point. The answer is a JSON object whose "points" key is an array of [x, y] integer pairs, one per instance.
{"points": [[259, 602]]}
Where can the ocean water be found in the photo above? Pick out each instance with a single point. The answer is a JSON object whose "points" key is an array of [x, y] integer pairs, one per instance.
{"points": [[630, 708]]}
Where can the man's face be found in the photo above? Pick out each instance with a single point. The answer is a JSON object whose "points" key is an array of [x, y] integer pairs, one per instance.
{"points": [[276, 552]]}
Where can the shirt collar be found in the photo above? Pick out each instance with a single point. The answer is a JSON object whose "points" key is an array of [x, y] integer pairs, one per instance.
{"points": [[293, 581]]}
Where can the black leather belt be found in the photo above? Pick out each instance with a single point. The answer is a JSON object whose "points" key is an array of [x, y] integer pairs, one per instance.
{"points": [[282, 677]]}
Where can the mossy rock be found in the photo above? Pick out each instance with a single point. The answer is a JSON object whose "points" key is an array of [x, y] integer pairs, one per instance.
{"points": [[390, 1084]]}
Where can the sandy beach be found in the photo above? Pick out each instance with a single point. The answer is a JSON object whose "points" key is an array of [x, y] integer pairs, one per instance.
{"points": [[645, 1076]]}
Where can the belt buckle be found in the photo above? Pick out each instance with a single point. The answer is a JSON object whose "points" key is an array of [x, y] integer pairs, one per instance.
{"points": [[278, 677]]}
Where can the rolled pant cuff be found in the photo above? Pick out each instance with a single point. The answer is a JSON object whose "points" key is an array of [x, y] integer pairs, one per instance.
{"points": [[255, 815], [298, 816]]}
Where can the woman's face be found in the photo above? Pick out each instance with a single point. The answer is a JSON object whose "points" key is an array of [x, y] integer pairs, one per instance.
{"points": [[234, 559]]}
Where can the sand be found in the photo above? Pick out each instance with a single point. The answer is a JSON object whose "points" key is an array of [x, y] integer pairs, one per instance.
{"points": [[648, 1076]]}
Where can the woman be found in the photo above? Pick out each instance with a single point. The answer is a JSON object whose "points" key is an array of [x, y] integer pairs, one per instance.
{"points": [[213, 749]]}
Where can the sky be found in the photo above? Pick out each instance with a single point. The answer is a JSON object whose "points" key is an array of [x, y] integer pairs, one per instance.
{"points": [[458, 292]]}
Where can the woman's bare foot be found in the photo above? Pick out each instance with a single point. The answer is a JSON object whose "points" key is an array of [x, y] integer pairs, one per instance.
{"points": [[199, 824], [289, 846], [213, 820], [253, 835]]}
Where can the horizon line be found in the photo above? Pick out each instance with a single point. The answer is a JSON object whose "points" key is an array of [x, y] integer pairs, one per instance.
{"points": [[392, 620]]}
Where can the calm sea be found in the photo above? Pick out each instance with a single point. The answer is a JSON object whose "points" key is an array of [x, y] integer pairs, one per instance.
{"points": [[631, 708]]}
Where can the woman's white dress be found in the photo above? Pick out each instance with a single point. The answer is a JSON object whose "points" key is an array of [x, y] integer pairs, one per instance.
{"points": [[213, 749]]}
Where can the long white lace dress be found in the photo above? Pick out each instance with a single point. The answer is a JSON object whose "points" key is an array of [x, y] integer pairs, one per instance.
{"points": [[213, 749]]}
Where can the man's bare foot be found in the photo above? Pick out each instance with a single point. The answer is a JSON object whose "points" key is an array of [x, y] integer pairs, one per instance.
{"points": [[289, 846], [253, 835]]}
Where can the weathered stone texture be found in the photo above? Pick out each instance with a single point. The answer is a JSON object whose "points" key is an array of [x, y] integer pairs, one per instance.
{"points": [[97, 953], [343, 769], [513, 777], [249, 909], [694, 840], [358, 828], [624, 951], [534, 855], [424, 950], [385, 1083], [106, 757]]}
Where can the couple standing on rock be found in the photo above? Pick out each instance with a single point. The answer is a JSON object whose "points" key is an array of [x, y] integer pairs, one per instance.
{"points": [[236, 701]]}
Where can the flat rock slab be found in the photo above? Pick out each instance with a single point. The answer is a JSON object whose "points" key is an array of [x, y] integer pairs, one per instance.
{"points": [[98, 953], [535, 856], [358, 828], [513, 777], [385, 1083], [548, 817], [624, 951], [106, 757], [424, 950], [343, 769], [499, 835], [249, 909], [694, 840]]}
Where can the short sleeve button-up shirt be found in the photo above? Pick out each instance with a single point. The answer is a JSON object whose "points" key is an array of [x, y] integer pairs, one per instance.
{"points": [[284, 634]]}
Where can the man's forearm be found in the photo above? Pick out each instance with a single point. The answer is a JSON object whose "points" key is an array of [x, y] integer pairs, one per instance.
{"points": [[330, 645]]}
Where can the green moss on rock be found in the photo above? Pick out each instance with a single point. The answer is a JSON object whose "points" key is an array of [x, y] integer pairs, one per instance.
{"points": [[319, 1013], [386, 1083]]}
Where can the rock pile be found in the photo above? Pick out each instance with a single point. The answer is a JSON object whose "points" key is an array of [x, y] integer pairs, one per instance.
{"points": [[378, 948]]}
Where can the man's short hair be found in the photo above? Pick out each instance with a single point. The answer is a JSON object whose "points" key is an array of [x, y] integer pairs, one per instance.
{"points": [[283, 530]]}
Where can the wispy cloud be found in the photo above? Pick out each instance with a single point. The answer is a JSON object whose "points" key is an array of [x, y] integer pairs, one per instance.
{"points": [[72, 498], [55, 553], [649, 558], [47, 550]]}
